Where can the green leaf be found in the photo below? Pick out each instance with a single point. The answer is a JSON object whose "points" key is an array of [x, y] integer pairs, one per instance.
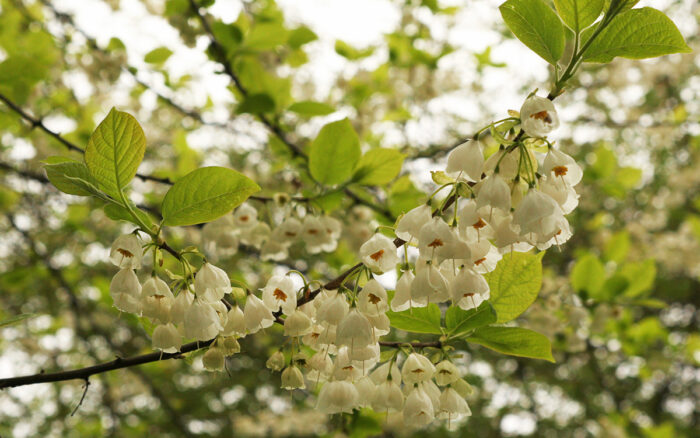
{"points": [[588, 275], [310, 109], [378, 166], [404, 196], [300, 36], [266, 36], [636, 34], [334, 153], [579, 14], [417, 320], [640, 277], [617, 247], [205, 194], [115, 151], [514, 341], [256, 104], [120, 213], [537, 26], [515, 283], [347, 51], [460, 322], [16, 319], [158, 56], [62, 171]]}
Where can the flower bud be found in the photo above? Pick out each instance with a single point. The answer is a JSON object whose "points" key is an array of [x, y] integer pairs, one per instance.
{"points": [[213, 359], [276, 362]]}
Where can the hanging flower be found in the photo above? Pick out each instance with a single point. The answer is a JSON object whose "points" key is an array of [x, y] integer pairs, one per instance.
{"points": [[126, 252], [467, 159], [126, 291], [379, 254], [538, 116]]}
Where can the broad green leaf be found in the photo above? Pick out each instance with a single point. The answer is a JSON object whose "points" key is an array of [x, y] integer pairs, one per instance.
{"points": [[8, 198], [404, 196], [640, 277], [515, 283], [579, 14], [256, 104], [59, 169], [115, 151], [310, 109], [300, 36], [514, 341], [459, 322], [334, 153], [205, 194], [266, 36], [158, 56], [588, 275], [636, 34], [537, 26], [378, 166], [417, 320], [617, 247], [120, 213], [15, 319]]}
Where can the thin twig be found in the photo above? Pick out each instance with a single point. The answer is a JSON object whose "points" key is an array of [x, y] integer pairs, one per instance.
{"points": [[87, 385]]}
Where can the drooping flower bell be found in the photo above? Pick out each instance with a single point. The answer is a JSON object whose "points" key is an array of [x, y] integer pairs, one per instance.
{"points": [[409, 224], [256, 315], [292, 378], [538, 116], [235, 323], [452, 405], [126, 252], [418, 409], [166, 338], [211, 283], [562, 167], [126, 291], [446, 373], [156, 299], [469, 289], [372, 299], [202, 321], [379, 254], [297, 324], [494, 193], [354, 330], [279, 292], [417, 368], [337, 396], [213, 359], [245, 216], [467, 159], [403, 298], [276, 362]]}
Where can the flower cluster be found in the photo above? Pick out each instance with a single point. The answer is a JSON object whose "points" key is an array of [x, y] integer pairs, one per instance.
{"points": [[514, 200], [223, 236]]}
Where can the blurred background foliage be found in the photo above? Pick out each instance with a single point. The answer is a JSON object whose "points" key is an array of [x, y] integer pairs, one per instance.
{"points": [[619, 301]]}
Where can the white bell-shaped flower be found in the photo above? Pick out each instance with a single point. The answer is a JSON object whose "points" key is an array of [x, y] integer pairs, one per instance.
{"points": [[211, 283], [245, 216], [273, 250], [337, 396], [469, 289], [507, 238], [418, 409], [333, 229], [383, 372], [126, 252], [345, 368], [201, 321], [452, 405], [403, 299], [279, 292], [388, 397], [472, 225], [467, 159], [372, 299], [292, 378], [507, 162], [366, 391], [156, 299], [213, 359], [485, 257], [446, 373], [562, 167], [380, 325], [556, 231], [379, 254], [409, 224], [417, 368], [354, 330], [533, 210], [125, 290], [181, 303], [494, 193], [229, 345], [368, 354], [256, 235], [297, 324], [538, 116], [235, 323], [166, 338], [333, 309], [256, 315], [564, 194], [276, 362], [321, 362], [438, 241], [314, 234], [433, 392], [288, 231], [430, 284]]}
